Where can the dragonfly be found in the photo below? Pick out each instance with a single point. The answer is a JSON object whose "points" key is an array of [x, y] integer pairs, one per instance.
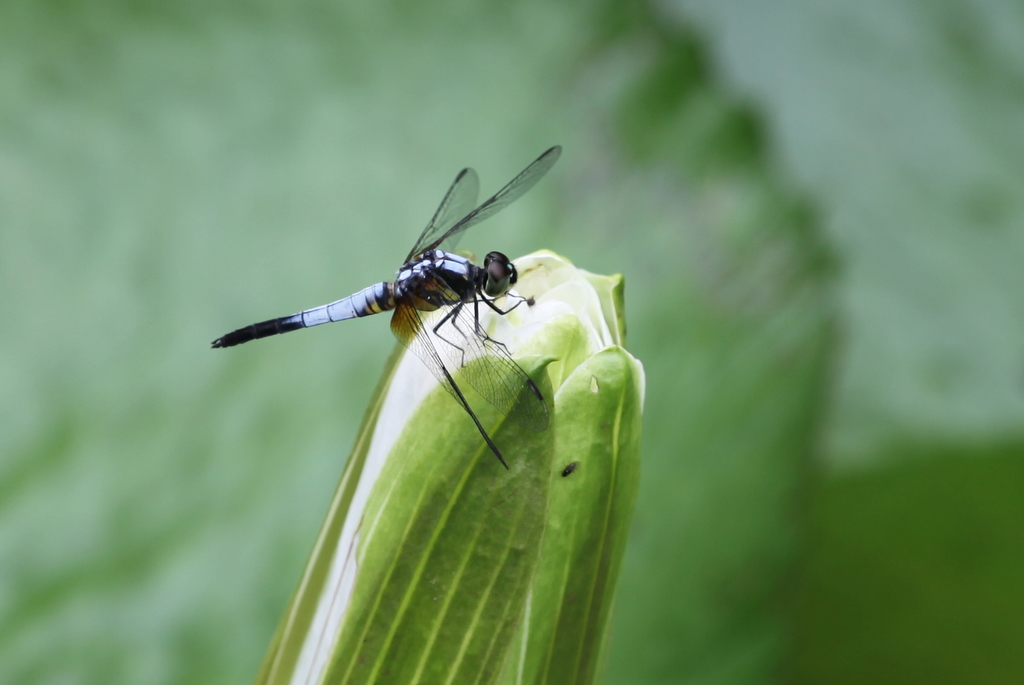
{"points": [[437, 298]]}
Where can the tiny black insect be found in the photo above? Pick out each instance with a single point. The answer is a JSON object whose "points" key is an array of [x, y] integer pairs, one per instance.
{"points": [[569, 469]]}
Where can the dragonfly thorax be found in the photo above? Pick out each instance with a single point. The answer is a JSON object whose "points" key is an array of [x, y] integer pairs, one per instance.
{"points": [[439, 278]]}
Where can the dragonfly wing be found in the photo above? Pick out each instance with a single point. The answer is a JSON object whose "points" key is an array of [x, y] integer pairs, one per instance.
{"points": [[486, 364], [457, 203], [407, 325], [512, 191], [448, 339], [410, 327]]}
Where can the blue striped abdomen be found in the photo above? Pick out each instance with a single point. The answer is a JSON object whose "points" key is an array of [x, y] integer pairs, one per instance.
{"points": [[374, 299]]}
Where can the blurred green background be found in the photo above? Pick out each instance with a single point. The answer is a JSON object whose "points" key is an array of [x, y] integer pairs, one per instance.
{"points": [[818, 210]]}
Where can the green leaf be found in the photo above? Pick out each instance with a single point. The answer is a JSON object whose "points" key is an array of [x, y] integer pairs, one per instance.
{"points": [[447, 547], [595, 480]]}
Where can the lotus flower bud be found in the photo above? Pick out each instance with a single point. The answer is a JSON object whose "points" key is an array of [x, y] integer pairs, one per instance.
{"points": [[435, 564]]}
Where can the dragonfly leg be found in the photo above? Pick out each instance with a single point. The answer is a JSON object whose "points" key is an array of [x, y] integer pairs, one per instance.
{"points": [[490, 303], [476, 317], [451, 316]]}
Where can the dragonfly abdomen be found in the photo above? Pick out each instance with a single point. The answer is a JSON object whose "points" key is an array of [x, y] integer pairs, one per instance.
{"points": [[374, 299]]}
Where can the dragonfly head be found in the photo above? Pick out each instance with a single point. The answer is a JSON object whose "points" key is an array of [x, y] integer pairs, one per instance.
{"points": [[501, 274]]}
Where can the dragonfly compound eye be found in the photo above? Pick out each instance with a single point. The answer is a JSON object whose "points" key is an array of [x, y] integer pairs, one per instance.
{"points": [[501, 275]]}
